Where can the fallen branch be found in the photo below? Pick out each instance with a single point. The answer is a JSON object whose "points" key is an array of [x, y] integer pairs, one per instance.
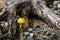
{"points": [[45, 13]]}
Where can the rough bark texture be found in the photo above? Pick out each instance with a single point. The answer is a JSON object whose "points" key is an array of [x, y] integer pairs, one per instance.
{"points": [[45, 13]]}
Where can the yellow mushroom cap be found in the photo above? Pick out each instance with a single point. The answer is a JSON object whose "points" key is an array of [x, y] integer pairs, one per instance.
{"points": [[21, 20]]}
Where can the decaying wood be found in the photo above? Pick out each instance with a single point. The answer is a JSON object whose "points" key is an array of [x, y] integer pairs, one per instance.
{"points": [[2, 3], [45, 13], [40, 9]]}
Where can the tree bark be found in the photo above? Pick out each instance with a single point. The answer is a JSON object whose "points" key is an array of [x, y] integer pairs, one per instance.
{"points": [[42, 11]]}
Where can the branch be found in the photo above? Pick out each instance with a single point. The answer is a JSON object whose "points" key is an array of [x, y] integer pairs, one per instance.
{"points": [[45, 13]]}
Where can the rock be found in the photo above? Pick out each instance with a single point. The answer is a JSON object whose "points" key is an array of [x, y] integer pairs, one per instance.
{"points": [[39, 29], [48, 34], [4, 24], [26, 33], [58, 5], [9, 3], [29, 38], [40, 37], [45, 37], [31, 34], [30, 29]]}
